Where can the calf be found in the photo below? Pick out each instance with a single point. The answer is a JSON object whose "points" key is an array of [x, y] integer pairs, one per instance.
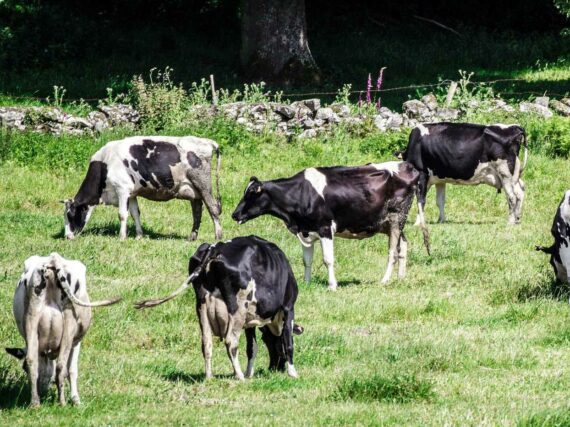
{"points": [[53, 314], [468, 154], [350, 202], [246, 282], [560, 249], [154, 167]]}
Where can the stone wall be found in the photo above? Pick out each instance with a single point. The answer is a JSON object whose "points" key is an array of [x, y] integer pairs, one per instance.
{"points": [[301, 119]]}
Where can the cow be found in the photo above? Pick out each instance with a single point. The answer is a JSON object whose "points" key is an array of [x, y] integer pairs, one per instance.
{"points": [[560, 250], [468, 154], [53, 314], [158, 168], [243, 283], [350, 202]]}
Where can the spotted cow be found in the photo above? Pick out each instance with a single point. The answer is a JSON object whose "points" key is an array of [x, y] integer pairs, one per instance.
{"points": [[468, 154], [158, 168], [560, 250], [243, 283], [350, 202], [53, 314]]}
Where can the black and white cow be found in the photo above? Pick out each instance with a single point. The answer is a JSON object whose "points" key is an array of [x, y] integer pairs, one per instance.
{"points": [[560, 249], [468, 154], [243, 283], [154, 167], [350, 202]]}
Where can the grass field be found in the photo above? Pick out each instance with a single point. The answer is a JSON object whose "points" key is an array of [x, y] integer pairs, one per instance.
{"points": [[476, 334]]}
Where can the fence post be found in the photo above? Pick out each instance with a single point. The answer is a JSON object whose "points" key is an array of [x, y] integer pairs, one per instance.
{"points": [[213, 87], [450, 93]]}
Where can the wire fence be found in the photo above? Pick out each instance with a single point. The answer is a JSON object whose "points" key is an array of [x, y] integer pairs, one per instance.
{"points": [[352, 92]]}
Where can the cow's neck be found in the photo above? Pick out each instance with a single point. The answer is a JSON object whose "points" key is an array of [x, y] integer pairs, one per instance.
{"points": [[92, 187], [279, 205]]}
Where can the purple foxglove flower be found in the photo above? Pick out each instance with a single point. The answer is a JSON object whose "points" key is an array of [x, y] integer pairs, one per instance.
{"points": [[380, 78], [368, 89]]}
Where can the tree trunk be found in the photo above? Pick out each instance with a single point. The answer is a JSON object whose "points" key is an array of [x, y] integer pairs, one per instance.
{"points": [[274, 44]]}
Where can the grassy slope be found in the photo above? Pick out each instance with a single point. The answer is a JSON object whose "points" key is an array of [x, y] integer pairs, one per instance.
{"points": [[473, 335]]}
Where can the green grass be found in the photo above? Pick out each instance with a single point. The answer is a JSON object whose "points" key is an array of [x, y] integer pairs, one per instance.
{"points": [[476, 334]]}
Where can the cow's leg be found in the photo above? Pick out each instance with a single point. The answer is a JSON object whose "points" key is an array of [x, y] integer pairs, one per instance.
{"points": [[421, 194], [519, 194], [136, 214], [508, 187], [123, 215], [402, 256], [214, 209], [232, 343], [393, 240], [206, 338], [196, 218], [65, 349], [440, 198], [251, 350], [328, 258], [32, 357], [73, 369], [308, 252], [274, 348], [287, 337]]}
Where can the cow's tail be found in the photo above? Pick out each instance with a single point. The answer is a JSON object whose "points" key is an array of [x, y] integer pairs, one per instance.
{"points": [[67, 291], [525, 147], [423, 226], [218, 166], [154, 302]]}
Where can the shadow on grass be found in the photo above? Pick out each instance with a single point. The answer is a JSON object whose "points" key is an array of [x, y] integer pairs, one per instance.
{"points": [[552, 289], [176, 375], [112, 229], [322, 282], [14, 394]]}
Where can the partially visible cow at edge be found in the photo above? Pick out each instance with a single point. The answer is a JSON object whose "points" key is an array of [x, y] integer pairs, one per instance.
{"points": [[350, 202], [468, 154], [53, 314], [158, 168], [244, 283], [560, 250]]}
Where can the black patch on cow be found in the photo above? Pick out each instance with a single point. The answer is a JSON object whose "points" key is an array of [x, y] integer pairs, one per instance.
{"points": [[154, 160], [194, 160], [93, 185], [76, 287], [126, 163], [68, 277], [132, 178], [38, 289], [143, 182], [249, 296], [134, 166], [234, 352]]}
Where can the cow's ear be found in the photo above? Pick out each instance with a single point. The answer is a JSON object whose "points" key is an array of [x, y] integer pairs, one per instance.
{"points": [[18, 353], [198, 257], [253, 179]]}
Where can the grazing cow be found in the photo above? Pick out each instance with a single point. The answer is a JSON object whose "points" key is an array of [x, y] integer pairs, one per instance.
{"points": [[468, 154], [53, 314], [246, 282], [560, 249], [154, 167], [350, 202]]}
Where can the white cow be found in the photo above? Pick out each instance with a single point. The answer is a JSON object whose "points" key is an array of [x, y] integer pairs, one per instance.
{"points": [[53, 314]]}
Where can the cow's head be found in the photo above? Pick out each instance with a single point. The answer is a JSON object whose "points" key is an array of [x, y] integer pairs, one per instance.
{"points": [[46, 371], [75, 216], [255, 202]]}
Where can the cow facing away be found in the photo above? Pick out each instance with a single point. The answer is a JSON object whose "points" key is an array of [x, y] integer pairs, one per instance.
{"points": [[468, 154], [350, 202], [560, 250], [157, 168], [243, 283], [53, 313]]}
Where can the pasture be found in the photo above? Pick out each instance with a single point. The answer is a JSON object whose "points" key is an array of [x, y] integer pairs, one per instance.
{"points": [[476, 334]]}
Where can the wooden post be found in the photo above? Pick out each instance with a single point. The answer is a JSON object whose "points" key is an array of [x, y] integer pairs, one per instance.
{"points": [[213, 87], [450, 93]]}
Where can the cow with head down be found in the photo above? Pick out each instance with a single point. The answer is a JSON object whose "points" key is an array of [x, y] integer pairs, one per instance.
{"points": [[158, 168], [53, 314]]}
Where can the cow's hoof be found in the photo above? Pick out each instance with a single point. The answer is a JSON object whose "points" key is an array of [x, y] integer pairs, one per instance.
{"points": [[76, 401], [291, 371], [62, 402], [332, 288], [139, 237], [34, 404], [240, 377], [193, 236]]}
